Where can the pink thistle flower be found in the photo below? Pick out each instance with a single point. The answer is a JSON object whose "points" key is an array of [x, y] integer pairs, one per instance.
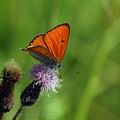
{"points": [[47, 77]]}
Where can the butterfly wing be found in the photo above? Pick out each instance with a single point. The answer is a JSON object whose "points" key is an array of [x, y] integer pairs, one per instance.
{"points": [[56, 40], [38, 49], [42, 54], [50, 47], [37, 41]]}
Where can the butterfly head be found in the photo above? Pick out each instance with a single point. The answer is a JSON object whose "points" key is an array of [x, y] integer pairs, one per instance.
{"points": [[59, 64]]}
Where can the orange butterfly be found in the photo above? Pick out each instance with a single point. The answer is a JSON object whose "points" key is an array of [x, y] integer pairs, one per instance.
{"points": [[50, 47]]}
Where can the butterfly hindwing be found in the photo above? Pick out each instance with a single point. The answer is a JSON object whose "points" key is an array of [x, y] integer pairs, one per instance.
{"points": [[42, 54]]}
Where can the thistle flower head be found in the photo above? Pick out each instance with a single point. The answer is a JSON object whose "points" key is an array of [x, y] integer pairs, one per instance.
{"points": [[46, 76]]}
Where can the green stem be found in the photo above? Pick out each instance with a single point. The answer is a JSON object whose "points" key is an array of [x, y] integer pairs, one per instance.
{"points": [[17, 113]]}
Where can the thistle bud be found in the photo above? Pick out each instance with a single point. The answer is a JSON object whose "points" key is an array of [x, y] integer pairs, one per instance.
{"points": [[11, 74], [30, 94]]}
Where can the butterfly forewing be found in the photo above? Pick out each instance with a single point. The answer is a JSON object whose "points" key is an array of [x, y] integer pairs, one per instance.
{"points": [[56, 40], [37, 41]]}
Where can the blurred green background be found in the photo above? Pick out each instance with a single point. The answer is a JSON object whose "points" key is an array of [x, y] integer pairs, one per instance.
{"points": [[91, 67]]}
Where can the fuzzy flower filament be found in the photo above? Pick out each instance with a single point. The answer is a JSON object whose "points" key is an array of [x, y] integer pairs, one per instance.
{"points": [[46, 76]]}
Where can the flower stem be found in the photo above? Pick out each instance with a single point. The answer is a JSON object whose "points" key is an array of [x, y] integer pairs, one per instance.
{"points": [[1, 115], [17, 113]]}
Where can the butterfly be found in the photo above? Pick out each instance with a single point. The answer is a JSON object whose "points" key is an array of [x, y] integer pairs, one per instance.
{"points": [[50, 47]]}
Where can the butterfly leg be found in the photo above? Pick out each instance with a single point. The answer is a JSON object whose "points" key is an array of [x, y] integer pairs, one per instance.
{"points": [[59, 73]]}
